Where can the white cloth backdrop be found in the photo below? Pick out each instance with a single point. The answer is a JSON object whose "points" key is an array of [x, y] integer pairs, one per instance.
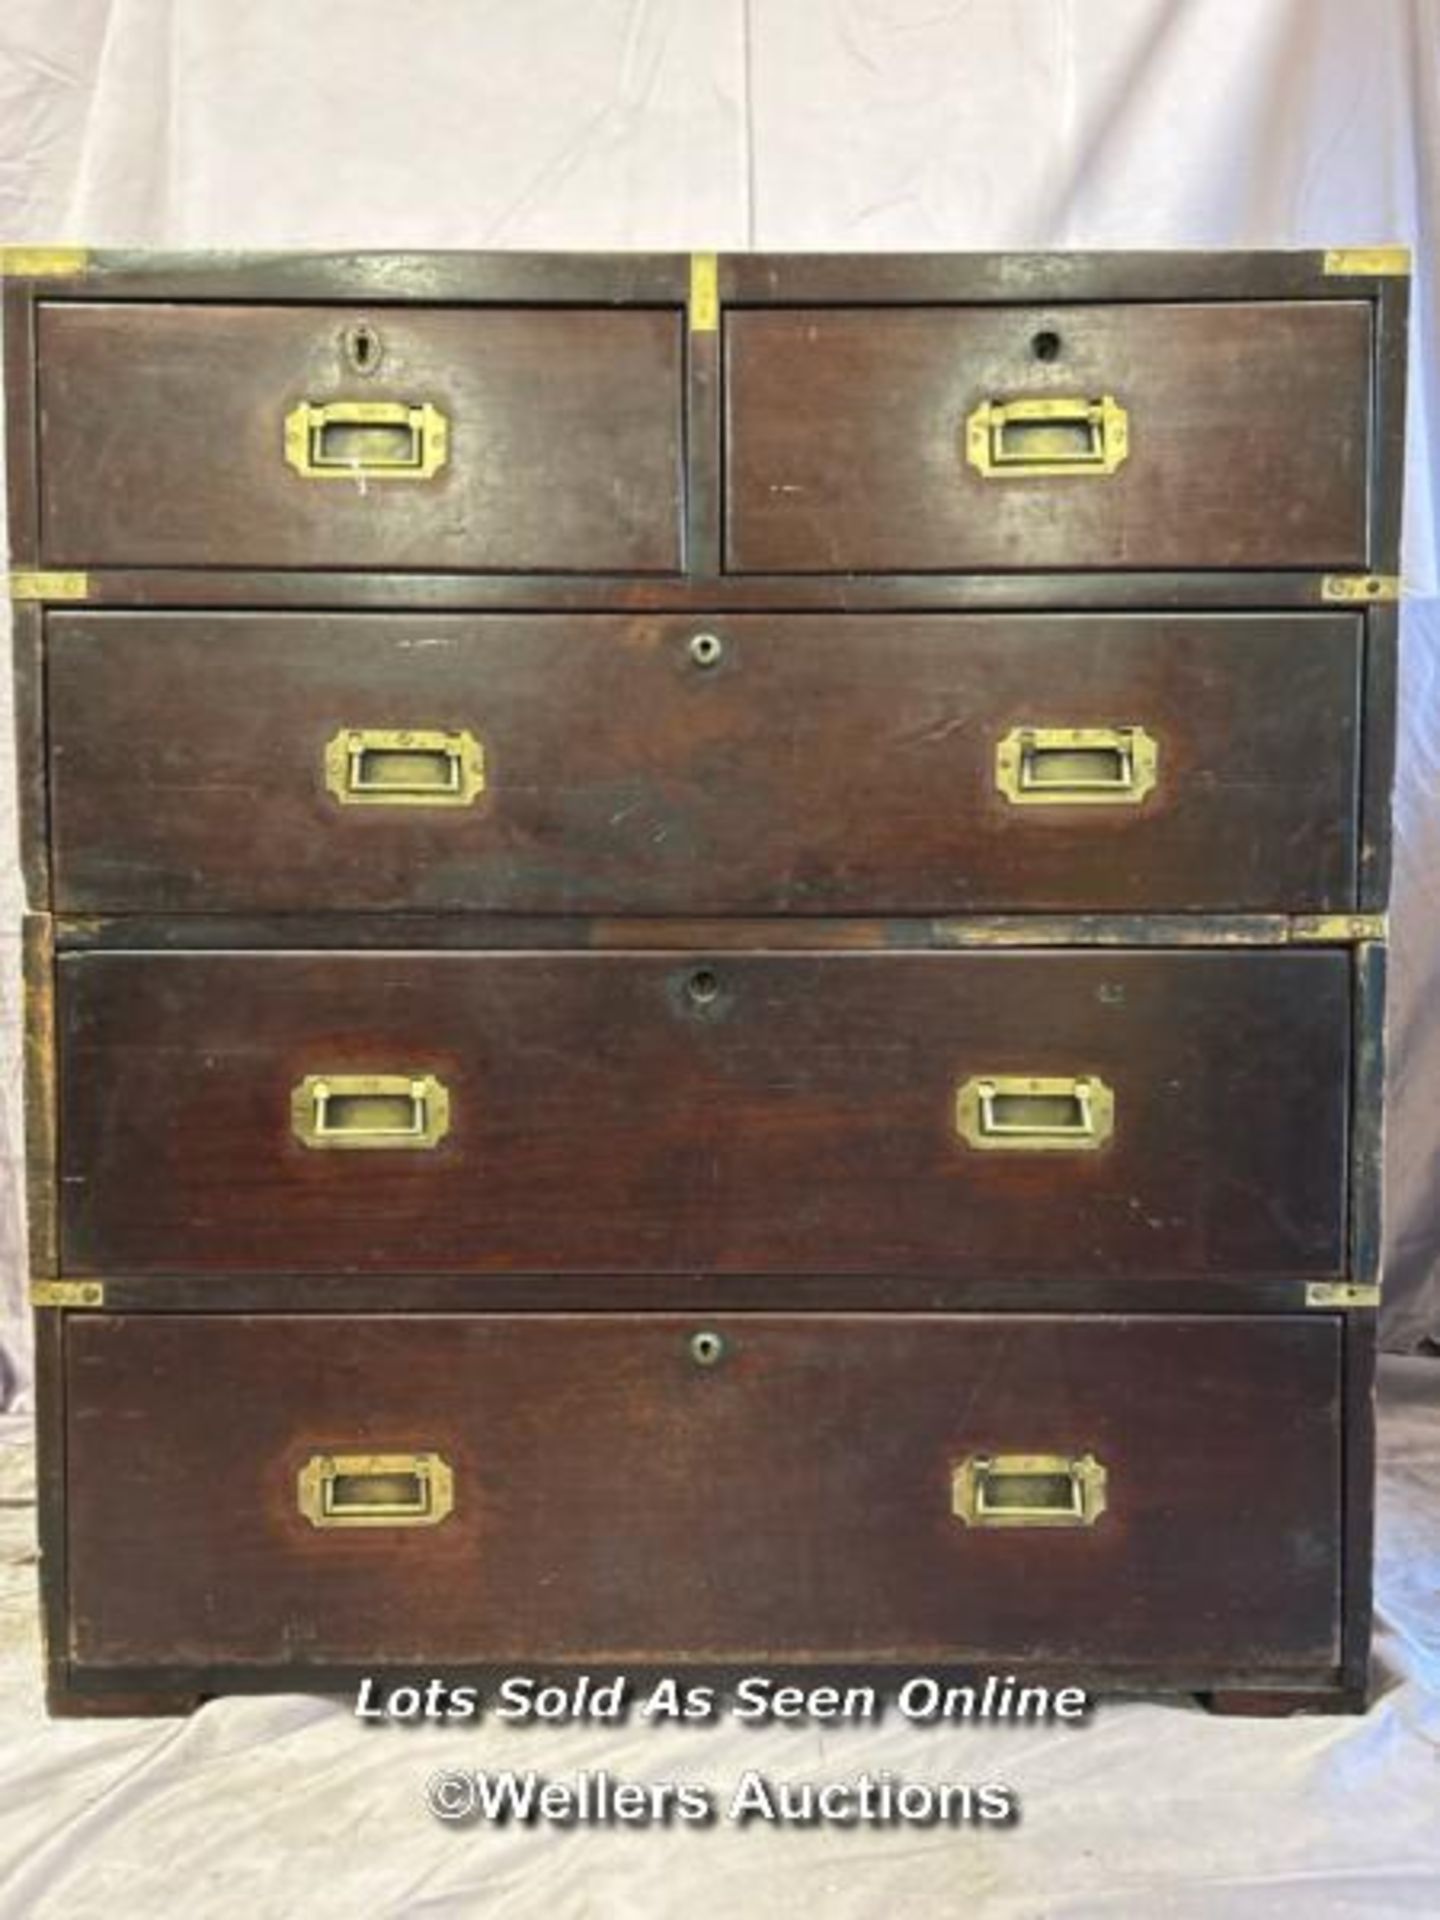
{"points": [[855, 124]]}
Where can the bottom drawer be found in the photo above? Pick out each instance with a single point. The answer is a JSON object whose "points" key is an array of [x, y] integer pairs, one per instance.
{"points": [[1102, 1493]]}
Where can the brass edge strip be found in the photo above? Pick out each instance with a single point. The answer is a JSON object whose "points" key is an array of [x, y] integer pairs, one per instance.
{"points": [[67, 1293], [1341, 1293], [1360, 589], [26, 584], [704, 293], [1160, 930], [1367, 262], [44, 263]]}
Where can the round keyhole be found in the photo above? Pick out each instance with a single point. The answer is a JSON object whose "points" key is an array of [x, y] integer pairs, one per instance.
{"points": [[363, 348], [707, 1349], [706, 649], [1046, 345], [703, 986]]}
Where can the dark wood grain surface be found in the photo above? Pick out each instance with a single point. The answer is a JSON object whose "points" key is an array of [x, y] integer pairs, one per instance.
{"points": [[797, 1118], [818, 764], [1249, 439], [614, 1499], [162, 438]]}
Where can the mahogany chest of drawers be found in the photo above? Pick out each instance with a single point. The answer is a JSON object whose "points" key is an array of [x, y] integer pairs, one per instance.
{"points": [[706, 961]]}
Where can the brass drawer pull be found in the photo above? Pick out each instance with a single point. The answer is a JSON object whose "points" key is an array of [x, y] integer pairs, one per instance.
{"points": [[1029, 1490], [1076, 766], [1018, 1113], [368, 439], [395, 1110], [1049, 438], [375, 1490], [385, 767]]}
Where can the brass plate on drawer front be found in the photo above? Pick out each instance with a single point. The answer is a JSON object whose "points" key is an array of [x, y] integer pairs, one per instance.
{"points": [[1088, 766], [424, 433], [383, 1112], [404, 767], [1046, 1113], [1029, 1490], [26, 585], [335, 1490], [1055, 438]]}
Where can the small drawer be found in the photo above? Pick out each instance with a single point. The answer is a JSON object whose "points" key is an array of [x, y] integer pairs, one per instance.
{"points": [[1117, 1496], [722, 764], [338, 437], [1055, 1113], [1012, 439]]}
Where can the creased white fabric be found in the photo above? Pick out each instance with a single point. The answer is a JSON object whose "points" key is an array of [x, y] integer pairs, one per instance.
{"points": [[850, 124]]}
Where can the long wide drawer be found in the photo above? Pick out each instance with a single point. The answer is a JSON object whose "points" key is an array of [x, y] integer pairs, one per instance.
{"points": [[1014, 438], [921, 764], [1043, 1113], [1122, 1494], [399, 437]]}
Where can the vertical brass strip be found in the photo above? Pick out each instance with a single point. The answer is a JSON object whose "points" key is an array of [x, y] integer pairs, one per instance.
{"points": [[704, 293]]}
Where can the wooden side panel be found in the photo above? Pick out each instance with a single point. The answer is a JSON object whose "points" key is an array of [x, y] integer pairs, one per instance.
{"points": [[1358, 1500], [31, 751], [17, 301], [846, 437], [740, 764], [656, 1113], [1381, 678], [613, 1500], [41, 1117], [162, 438]]}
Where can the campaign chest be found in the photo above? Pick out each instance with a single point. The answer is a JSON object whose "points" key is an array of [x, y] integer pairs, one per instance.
{"points": [[705, 971]]}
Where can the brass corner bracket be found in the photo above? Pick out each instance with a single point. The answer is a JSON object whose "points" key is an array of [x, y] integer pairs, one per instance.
{"points": [[44, 263], [1341, 1293], [71, 1294], [1360, 589], [1367, 262], [1338, 929], [26, 584]]}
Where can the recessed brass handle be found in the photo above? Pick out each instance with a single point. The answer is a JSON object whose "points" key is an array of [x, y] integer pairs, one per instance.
{"points": [[1029, 1490], [1076, 766], [1047, 438], [377, 1110], [375, 1489], [366, 439], [411, 767], [1023, 1113]]}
